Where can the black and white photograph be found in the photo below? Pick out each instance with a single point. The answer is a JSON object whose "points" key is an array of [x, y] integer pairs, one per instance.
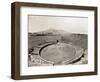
{"points": [[57, 40]]}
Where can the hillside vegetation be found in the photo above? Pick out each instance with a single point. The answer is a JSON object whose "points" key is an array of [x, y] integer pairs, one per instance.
{"points": [[39, 38]]}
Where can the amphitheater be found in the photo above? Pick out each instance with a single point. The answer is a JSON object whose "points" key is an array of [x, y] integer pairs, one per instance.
{"points": [[53, 50], [56, 53]]}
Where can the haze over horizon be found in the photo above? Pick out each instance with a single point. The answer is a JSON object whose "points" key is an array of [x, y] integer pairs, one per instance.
{"points": [[68, 24]]}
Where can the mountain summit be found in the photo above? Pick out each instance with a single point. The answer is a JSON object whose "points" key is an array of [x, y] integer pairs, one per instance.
{"points": [[51, 32]]}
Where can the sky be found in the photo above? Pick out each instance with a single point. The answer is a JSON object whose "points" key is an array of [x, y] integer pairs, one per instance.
{"points": [[38, 23]]}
